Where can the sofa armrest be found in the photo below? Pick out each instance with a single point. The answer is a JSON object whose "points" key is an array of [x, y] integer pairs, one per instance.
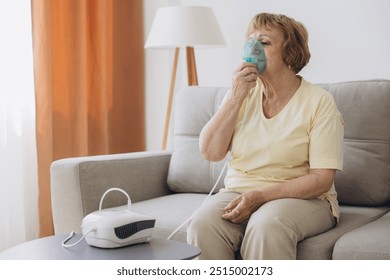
{"points": [[77, 184]]}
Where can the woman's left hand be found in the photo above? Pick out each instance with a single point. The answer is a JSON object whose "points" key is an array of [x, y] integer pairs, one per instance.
{"points": [[241, 208]]}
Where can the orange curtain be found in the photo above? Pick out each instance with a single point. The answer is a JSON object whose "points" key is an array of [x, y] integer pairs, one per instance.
{"points": [[89, 83]]}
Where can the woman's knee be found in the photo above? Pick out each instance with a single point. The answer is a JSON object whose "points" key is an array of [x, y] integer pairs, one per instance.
{"points": [[209, 215], [200, 222]]}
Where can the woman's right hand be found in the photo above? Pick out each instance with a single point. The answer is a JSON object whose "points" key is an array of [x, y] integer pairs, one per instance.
{"points": [[244, 79]]}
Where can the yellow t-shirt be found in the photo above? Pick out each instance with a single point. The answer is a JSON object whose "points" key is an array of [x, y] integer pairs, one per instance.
{"points": [[307, 133]]}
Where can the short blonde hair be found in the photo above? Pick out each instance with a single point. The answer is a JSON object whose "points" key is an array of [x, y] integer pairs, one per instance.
{"points": [[296, 53]]}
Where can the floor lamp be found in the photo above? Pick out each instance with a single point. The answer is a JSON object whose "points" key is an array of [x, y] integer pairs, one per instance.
{"points": [[183, 27]]}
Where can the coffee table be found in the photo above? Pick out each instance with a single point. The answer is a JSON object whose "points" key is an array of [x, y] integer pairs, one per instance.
{"points": [[50, 248]]}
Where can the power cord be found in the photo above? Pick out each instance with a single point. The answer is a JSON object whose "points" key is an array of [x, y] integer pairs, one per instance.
{"points": [[78, 241]]}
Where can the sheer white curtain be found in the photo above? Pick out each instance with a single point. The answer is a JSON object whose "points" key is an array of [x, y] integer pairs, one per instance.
{"points": [[18, 161]]}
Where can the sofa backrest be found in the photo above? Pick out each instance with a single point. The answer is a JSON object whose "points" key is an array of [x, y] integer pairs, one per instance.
{"points": [[365, 106], [188, 171]]}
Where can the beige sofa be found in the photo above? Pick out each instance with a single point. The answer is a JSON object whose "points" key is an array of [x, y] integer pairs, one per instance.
{"points": [[170, 185]]}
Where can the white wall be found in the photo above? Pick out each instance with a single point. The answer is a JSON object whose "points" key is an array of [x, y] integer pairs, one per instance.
{"points": [[349, 40]]}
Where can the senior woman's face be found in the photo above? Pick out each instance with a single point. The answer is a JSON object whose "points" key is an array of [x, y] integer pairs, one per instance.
{"points": [[272, 40]]}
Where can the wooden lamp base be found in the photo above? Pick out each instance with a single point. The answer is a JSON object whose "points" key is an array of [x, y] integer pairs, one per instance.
{"points": [[192, 81]]}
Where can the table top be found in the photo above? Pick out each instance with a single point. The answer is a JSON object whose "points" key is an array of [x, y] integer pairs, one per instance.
{"points": [[50, 248]]}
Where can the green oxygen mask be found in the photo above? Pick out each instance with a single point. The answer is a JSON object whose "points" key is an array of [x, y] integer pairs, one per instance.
{"points": [[253, 52]]}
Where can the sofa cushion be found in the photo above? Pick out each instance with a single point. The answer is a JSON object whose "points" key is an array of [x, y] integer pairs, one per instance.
{"points": [[369, 242], [188, 170], [364, 105], [320, 247]]}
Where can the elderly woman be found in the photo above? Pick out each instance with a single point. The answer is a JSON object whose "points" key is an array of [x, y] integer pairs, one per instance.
{"points": [[285, 136]]}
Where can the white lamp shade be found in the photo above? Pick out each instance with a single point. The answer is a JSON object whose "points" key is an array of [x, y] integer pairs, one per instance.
{"points": [[185, 26]]}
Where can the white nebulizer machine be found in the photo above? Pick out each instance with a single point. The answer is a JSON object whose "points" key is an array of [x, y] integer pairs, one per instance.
{"points": [[114, 228]]}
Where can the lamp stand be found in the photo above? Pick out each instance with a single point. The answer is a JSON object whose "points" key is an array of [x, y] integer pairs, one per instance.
{"points": [[170, 97], [191, 67], [192, 81]]}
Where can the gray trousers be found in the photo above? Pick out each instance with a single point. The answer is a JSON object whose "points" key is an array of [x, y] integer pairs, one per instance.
{"points": [[272, 232]]}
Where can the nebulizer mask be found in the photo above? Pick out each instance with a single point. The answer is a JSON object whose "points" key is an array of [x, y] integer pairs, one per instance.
{"points": [[253, 52]]}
